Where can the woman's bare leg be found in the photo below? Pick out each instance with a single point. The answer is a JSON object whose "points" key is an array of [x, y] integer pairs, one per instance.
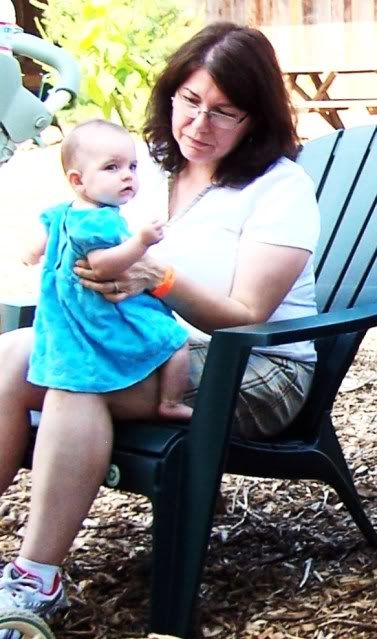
{"points": [[17, 397], [71, 458]]}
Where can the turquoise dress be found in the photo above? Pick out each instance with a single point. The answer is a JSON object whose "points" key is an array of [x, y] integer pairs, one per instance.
{"points": [[82, 342]]}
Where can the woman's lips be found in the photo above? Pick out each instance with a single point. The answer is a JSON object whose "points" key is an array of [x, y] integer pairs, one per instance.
{"points": [[197, 144]]}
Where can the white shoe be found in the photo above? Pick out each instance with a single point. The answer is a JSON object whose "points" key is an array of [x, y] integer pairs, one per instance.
{"points": [[24, 591]]}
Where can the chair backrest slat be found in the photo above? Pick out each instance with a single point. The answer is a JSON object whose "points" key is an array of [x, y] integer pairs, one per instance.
{"points": [[347, 195], [316, 156], [357, 283]]}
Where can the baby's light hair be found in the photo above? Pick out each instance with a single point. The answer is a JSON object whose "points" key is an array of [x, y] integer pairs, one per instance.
{"points": [[72, 144]]}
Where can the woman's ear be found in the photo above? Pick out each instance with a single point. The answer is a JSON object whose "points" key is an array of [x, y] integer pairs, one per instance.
{"points": [[74, 178]]}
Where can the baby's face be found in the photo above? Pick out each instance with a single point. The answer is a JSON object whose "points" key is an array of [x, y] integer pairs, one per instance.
{"points": [[108, 169]]}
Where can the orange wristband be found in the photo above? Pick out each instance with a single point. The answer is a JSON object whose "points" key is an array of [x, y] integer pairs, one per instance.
{"points": [[167, 283]]}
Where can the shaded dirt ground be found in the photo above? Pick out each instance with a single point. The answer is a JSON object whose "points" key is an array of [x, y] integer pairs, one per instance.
{"points": [[285, 560]]}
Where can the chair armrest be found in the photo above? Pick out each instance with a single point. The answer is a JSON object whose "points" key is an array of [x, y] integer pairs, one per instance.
{"points": [[16, 312], [230, 348], [229, 351], [347, 320]]}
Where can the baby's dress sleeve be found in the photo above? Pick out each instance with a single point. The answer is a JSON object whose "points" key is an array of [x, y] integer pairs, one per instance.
{"points": [[96, 229], [47, 216]]}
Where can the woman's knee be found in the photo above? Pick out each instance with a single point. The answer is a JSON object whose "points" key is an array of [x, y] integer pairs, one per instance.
{"points": [[273, 391]]}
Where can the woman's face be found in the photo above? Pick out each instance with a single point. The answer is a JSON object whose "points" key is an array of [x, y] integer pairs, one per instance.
{"points": [[201, 140]]}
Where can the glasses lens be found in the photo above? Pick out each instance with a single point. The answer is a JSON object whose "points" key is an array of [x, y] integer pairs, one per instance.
{"points": [[191, 110], [217, 119], [222, 121]]}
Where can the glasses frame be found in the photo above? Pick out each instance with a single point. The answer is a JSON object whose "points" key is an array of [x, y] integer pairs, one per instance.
{"points": [[211, 114]]}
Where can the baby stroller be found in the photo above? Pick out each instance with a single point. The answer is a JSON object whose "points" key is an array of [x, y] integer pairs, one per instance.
{"points": [[27, 624], [23, 116]]}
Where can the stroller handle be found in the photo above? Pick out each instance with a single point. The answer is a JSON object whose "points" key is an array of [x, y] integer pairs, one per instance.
{"points": [[48, 53]]}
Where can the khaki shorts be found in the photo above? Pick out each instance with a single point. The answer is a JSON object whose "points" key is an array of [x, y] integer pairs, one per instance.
{"points": [[273, 391]]}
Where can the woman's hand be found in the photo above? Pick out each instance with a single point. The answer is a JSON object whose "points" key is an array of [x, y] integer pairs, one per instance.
{"points": [[145, 274]]}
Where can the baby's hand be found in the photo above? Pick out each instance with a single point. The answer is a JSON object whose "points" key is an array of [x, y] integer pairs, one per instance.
{"points": [[152, 233]]}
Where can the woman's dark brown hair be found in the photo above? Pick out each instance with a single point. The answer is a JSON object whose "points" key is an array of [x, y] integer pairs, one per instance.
{"points": [[243, 64]]}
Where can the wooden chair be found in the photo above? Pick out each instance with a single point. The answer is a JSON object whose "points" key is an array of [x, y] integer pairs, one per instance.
{"points": [[180, 468]]}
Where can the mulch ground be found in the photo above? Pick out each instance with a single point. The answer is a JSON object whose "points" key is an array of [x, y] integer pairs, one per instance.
{"points": [[285, 560]]}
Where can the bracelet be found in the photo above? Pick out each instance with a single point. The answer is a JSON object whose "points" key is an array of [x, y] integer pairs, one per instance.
{"points": [[166, 284]]}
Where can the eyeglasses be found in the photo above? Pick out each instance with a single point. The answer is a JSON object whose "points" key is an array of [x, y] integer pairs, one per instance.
{"points": [[221, 120]]}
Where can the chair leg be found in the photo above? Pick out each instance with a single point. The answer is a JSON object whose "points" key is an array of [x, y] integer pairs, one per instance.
{"points": [[351, 499], [166, 502], [176, 554], [340, 478]]}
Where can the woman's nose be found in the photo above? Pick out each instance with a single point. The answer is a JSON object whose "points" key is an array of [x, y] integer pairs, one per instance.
{"points": [[201, 122]]}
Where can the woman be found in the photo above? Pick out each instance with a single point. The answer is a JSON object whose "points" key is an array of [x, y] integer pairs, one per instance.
{"points": [[241, 227]]}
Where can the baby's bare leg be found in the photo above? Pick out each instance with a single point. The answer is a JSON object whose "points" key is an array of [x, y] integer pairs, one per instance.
{"points": [[173, 382]]}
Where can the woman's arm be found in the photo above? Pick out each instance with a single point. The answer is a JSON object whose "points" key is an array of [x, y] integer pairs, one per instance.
{"points": [[36, 247], [264, 275]]}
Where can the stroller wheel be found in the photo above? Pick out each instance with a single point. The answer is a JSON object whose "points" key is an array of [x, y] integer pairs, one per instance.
{"points": [[28, 624]]}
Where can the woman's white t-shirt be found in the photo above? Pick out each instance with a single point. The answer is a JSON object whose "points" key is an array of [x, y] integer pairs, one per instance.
{"points": [[277, 208]]}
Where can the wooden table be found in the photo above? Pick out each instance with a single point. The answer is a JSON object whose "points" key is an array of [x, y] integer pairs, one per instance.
{"points": [[327, 64], [311, 91]]}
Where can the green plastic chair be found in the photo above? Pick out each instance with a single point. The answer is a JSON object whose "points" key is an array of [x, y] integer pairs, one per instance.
{"points": [[180, 468]]}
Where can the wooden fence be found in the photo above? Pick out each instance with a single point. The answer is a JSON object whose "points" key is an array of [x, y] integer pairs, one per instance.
{"points": [[290, 12], [296, 12], [328, 44]]}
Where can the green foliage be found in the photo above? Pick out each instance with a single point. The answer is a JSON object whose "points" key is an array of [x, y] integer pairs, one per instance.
{"points": [[121, 46]]}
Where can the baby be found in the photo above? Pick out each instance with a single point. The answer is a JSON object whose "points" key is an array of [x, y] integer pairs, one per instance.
{"points": [[84, 343]]}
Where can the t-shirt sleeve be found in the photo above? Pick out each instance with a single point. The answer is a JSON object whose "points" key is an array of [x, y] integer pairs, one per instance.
{"points": [[97, 229], [285, 211]]}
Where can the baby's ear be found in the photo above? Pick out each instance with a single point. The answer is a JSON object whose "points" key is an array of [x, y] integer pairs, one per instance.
{"points": [[74, 178]]}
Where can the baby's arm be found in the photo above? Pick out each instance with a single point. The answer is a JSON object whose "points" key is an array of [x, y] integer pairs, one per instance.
{"points": [[36, 246], [110, 262]]}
